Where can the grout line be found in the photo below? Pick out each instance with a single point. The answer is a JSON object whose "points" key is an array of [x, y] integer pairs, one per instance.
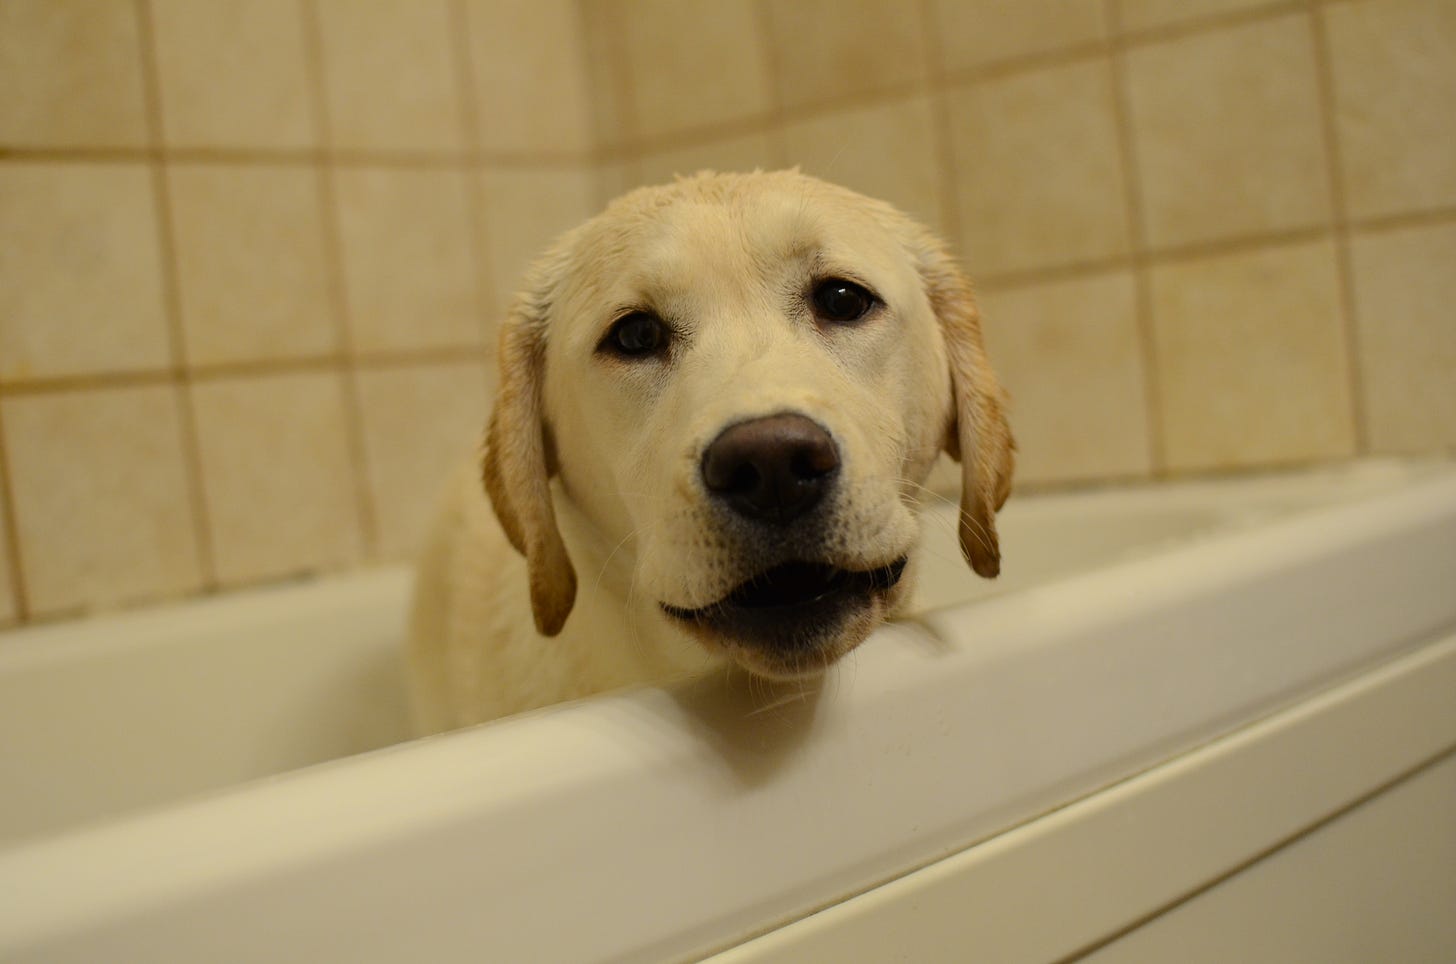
{"points": [[942, 133], [423, 357], [1024, 277], [777, 117], [100, 381], [1196, 250], [468, 159], [593, 35], [83, 155], [430, 160], [477, 207], [172, 308], [1431, 217], [1028, 277], [334, 267], [262, 368], [624, 82], [690, 137], [1344, 259], [10, 515], [1136, 213], [1207, 23], [995, 70]]}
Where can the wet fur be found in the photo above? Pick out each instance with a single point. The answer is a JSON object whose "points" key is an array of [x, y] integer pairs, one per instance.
{"points": [[545, 572]]}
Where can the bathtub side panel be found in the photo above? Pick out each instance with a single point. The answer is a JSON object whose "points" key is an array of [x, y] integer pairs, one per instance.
{"points": [[1103, 864]]}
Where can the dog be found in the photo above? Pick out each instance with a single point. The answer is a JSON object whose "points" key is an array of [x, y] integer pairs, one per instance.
{"points": [[718, 401]]}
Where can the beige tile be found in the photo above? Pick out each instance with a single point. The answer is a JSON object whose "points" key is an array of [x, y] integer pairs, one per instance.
{"points": [[694, 63], [1404, 290], [1394, 67], [972, 33], [277, 474], [887, 151], [1226, 126], [409, 265], [251, 270], [743, 152], [1070, 355], [233, 74], [529, 64], [1252, 365], [390, 75], [9, 605], [828, 49], [80, 276], [420, 424], [101, 497], [1039, 170], [71, 73], [1141, 14], [524, 211], [615, 178]]}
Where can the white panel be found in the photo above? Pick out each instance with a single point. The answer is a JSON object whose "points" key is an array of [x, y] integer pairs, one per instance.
{"points": [[1067, 881], [1377, 884]]}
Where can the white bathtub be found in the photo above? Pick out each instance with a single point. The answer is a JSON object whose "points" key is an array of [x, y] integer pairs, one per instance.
{"points": [[1174, 695]]}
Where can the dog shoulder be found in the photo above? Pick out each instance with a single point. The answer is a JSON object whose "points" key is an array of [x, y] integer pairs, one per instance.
{"points": [[469, 619]]}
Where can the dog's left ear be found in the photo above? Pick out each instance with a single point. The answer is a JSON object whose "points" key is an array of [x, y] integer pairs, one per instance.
{"points": [[516, 466], [978, 435]]}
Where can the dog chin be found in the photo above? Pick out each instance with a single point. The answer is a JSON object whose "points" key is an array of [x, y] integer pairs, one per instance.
{"points": [[796, 619]]}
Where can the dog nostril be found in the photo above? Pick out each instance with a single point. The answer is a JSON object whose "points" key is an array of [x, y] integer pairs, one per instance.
{"points": [[744, 479], [771, 469], [813, 461]]}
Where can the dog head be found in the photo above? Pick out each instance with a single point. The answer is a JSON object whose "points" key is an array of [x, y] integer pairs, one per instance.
{"points": [[741, 381]]}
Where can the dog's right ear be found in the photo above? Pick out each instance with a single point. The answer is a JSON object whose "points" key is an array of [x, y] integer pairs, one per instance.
{"points": [[515, 467]]}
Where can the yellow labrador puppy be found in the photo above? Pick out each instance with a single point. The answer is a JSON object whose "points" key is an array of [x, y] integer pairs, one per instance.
{"points": [[717, 402]]}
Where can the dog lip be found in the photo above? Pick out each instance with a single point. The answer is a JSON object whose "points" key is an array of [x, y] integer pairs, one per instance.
{"points": [[792, 588]]}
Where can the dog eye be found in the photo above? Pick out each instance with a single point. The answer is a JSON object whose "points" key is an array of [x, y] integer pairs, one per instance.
{"points": [[636, 335], [841, 301]]}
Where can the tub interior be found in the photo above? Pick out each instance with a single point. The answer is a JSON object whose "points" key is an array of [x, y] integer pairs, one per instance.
{"points": [[139, 709]]}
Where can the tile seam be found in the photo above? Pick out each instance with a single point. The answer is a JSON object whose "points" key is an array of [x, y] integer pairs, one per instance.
{"points": [[338, 295], [1340, 224], [477, 207], [943, 133], [11, 513], [1135, 210], [191, 442]]}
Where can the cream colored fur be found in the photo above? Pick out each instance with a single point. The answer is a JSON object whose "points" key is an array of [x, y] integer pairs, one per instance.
{"points": [[544, 577]]}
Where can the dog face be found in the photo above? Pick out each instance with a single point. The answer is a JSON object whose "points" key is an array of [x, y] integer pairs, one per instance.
{"points": [[741, 381]]}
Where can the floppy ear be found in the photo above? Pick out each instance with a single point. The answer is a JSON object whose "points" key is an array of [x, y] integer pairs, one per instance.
{"points": [[516, 471], [979, 436]]}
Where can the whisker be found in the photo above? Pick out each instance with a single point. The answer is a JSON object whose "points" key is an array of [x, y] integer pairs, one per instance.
{"points": [[782, 699]]}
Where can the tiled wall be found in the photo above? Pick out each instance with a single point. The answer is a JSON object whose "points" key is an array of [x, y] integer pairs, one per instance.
{"points": [[1210, 235], [251, 258], [251, 252]]}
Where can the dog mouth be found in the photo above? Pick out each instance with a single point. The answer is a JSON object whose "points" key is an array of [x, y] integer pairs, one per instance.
{"points": [[793, 609]]}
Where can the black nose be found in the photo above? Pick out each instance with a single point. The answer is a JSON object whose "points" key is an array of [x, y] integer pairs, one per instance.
{"points": [[771, 469]]}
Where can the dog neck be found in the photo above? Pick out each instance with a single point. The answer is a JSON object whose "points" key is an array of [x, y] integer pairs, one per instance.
{"points": [[612, 618]]}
